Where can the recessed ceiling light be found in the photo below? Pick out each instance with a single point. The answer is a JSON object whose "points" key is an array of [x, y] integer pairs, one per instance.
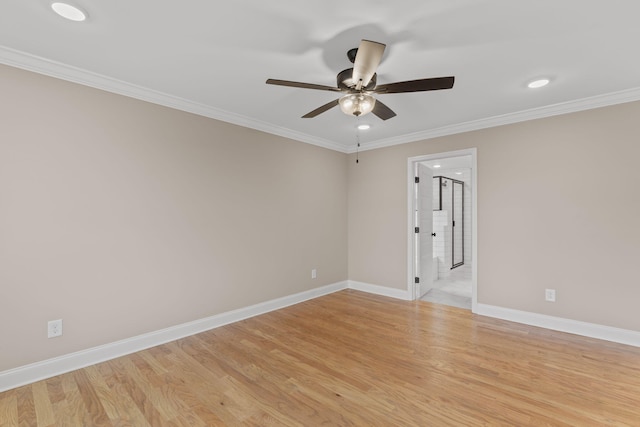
{"points": [[363, 127], [69, 12], [538, 83], [436, 166], [458, 173]]}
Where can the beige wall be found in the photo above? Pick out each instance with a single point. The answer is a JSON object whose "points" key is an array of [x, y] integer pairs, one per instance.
{"points": [[122, 217], [558, 207]]}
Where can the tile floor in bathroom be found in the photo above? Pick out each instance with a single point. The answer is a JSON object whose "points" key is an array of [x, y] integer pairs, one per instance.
{"points": [[454, 290]]}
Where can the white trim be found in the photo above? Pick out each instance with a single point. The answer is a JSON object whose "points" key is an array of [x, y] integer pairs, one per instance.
{"points": [[23, 375], [17, 377], [69, 73], [605, 100], [474, 230], [411, 162], [411, 242], [380, 290], [66, 72], [591, 330]]}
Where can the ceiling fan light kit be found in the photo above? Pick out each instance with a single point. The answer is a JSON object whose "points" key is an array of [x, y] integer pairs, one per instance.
{"points": [[359, 84], [357, 104]]}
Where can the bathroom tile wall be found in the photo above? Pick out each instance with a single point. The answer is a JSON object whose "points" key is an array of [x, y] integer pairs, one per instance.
{"points": [[440, 225]]}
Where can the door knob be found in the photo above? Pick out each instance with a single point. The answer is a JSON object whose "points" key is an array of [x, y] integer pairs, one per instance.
{"points": [[433, 234]]}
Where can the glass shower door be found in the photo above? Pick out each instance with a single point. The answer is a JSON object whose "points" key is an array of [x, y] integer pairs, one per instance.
{"points": [[457, 224]]}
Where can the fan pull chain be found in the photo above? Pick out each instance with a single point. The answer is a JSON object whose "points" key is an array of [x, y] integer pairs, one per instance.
{"points": [[358, 140]]}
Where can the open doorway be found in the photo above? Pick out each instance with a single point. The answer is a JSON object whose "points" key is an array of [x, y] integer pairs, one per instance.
{"points": [[442, 235]]}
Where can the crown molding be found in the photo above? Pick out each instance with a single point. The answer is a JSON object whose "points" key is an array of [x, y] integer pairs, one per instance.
{"points": [[69, 73], [621, 97], [72, 74]]}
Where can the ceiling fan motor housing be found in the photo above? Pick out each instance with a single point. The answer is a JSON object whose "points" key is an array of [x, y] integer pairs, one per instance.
{"points": [[345, 80]]}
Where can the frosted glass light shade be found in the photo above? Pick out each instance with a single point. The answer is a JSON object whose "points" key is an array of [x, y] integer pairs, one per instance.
{"points": [[357, 104]]}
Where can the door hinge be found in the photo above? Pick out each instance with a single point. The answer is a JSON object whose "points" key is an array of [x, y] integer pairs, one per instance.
{"points": [[417, 181], [454, 223], [417, 229], [417, 280]]}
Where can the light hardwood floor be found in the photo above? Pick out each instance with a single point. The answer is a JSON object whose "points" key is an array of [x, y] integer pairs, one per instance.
{"points": [[349, 358]]}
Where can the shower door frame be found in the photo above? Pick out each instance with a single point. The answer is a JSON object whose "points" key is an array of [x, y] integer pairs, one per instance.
{"points": [[453, 223], [453, 210]]}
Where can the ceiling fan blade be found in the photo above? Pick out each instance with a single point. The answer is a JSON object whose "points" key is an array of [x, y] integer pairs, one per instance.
{"points": [[301, 85], [382, 111], [320, 110], [420, 85], [367, 60]]}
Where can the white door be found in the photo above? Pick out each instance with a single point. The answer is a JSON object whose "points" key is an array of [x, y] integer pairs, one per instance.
{"points": [[424, 223]]}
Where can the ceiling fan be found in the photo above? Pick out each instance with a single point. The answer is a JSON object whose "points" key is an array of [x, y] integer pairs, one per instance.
{"points": [[358, 84]]}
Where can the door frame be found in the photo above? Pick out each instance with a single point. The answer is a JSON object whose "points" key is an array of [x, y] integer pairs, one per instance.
{"points": [[411, 208], [423, 193]]}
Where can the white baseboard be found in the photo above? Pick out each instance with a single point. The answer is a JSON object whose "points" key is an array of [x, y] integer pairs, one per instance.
{"points": [[379, 290], [591, 330], [49, 368], [69, 362]]}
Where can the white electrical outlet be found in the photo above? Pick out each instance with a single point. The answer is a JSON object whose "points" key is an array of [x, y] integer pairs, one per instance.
{"points": [[314, 273], [54, 328], [550, 295]]}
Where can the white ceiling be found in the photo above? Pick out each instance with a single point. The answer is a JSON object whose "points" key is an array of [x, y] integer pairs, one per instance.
{"points": [[449, 164], [212, 58]]}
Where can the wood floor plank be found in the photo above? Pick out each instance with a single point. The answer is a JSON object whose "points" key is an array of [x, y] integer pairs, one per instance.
{"points": [[54, 388], [8, 409], [26, 407], [119, 405], [126, 375], [253, 373], [349, 359], [73, 411], [42, 404], [153, 362], [95, 414], [149, 383], [200, 389]]}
